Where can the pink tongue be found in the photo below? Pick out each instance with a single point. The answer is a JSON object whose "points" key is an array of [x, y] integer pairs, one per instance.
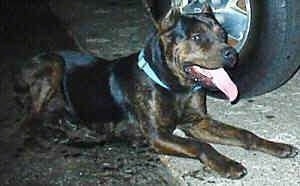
{"points": [[221, 80]]}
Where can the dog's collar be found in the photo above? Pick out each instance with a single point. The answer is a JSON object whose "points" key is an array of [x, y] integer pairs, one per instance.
{"points": [[144, 65]]}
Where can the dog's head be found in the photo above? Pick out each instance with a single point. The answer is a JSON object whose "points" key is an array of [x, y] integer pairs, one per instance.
{"points": [[196, 50]]}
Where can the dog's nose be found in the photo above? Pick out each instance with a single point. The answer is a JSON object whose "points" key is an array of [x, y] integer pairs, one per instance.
{"points": [[230, 56]]}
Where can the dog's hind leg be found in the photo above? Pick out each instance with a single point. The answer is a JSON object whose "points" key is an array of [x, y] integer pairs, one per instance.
{"points": [[42, 77], [47, 79], [213, 131], [166, 143]]}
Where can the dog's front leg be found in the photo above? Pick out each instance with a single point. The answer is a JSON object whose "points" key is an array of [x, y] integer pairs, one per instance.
{"points": [[157, 115], [213, 131], [167, 143]]}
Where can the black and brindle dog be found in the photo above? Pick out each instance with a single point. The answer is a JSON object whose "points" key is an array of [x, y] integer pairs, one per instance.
{"points": [[164, 89]]}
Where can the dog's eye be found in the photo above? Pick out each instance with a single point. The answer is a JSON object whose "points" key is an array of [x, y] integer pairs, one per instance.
{"points": [[196, 37], [200, 38]]}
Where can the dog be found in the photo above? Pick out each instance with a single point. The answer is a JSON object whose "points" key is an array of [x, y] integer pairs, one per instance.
{"points": [[161, 88]]}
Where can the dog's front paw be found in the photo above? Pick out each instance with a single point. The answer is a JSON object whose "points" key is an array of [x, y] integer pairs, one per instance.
{"points": [[280, 150], [228, 168], [294, 152], [234, 170], [286, 151]]}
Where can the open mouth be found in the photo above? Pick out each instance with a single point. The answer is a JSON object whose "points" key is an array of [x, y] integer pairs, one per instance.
{"points": [[212, 78]]}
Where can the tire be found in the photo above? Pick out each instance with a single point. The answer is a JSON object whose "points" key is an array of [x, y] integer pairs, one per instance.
{"points": [[272, 52]]}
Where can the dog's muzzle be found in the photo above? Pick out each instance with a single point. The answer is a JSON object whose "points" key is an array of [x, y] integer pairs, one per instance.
{"points": [[213, 78]]}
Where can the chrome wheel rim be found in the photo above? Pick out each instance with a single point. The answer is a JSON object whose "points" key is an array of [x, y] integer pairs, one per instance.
{"points": [[235, 17]]}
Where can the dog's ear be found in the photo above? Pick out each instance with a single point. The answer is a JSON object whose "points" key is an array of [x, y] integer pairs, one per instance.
{"points": [[156, 10], [169, 20], [163, 13], [206, 9]]}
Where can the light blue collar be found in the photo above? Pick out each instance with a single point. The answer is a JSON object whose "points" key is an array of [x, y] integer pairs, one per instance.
{"points": [[144, 65]]}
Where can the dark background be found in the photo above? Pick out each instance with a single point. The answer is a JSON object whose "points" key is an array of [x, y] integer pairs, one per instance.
{"points": [[107, 28]]}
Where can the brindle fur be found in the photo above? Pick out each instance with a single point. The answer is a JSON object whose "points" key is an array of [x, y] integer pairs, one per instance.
{"points": [[104, 91]]}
